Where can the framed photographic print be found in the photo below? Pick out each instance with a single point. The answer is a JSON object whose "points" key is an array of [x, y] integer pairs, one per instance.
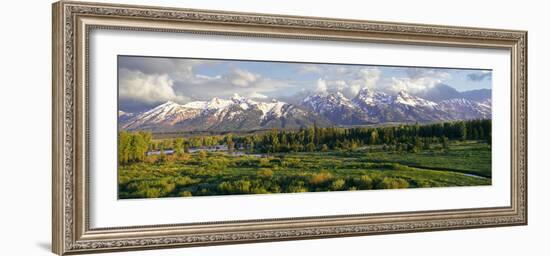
{"points": [[179, 127]]}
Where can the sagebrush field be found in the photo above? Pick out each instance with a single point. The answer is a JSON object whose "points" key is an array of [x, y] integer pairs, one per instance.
{"points": [[305, 160]]}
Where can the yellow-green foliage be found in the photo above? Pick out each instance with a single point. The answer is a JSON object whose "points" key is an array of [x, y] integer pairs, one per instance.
{"points": [[216, 173], [264, 162], [364, 182], [338, 184], [265, 173], [186, 194], [320, 178], [132, 147], [392, 183]]}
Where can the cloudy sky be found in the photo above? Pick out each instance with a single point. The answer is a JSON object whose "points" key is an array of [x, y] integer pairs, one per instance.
{"points": [[148, 81]]}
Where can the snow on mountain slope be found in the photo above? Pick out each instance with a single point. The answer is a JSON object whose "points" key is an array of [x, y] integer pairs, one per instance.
{"points": [[334, 107], [370, 106], [325, 109], [326, 102], [402, 107], [367, 97], [166, 114], [124, 116], [218, 114], [465, 109], [407, 99]]}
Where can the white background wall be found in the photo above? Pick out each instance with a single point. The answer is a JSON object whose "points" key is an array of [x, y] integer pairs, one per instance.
{"points": [[25, 115]]}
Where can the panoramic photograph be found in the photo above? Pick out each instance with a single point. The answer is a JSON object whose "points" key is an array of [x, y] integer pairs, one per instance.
{"points": [[213, 127]]}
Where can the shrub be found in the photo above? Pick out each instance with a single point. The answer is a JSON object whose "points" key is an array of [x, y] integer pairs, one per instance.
{"points": [[320, 178], [296, 189], [290, 163], [151, 159], [216, 164], [423, 183], [275, 188], [185, 181], [167, 187], [152, 192], [235, 187], [204, 192], [264, 162], [296, 185], [265, 173], [364, 182], [392, 183], [259, 190], [310, 147], [182, 157], [186, 194], [203, 154], [242, 186], [338, 184], [226, 187]]}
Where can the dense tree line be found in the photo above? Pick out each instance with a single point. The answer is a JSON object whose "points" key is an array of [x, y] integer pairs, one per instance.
{"points": [[133, 146], [406, 136]]}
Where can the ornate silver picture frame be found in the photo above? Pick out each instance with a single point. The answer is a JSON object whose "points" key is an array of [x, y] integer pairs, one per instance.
{"points": [[74, 21]]}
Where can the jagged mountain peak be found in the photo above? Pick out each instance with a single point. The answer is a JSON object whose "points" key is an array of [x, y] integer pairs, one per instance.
{"points": [[368, 96], [365, 91], [465, 109], [405, 98], [235, 113], [337, 95], [326, 101], [335, 107], [238, 98], [168, 104], [328, 108]]}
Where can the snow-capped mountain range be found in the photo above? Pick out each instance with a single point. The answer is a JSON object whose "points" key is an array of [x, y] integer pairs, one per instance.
{"points": [[323, 109], [236, 113]]}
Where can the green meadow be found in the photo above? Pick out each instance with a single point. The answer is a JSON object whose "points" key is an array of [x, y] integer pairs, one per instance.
{"points": [[203, 173]]}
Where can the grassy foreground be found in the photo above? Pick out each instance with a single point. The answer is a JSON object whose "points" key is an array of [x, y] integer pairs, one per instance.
{"points": [[464, 163]]}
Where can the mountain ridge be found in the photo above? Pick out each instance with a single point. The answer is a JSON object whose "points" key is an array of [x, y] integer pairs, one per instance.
{"points": [[323, 109]]}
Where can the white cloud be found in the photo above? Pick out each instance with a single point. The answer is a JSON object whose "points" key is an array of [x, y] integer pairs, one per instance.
{"points": [[339, 84], [242, 78], [352, 90], [153, 80], [184, 82], [370, 77], [309, 68], [342, 70], [418, 80], [256, 95], [241, 81], [148, 88], [349, 80], [178, 69], [199, 76], [321, 85], [416, 73]]}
